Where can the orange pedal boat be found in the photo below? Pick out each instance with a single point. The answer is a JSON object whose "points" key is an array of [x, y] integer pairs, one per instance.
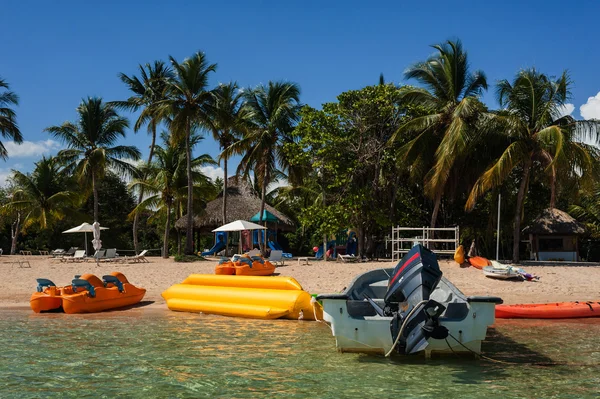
{"points": [[86, 294], [225, 267], [561, 310], [253, 266]]}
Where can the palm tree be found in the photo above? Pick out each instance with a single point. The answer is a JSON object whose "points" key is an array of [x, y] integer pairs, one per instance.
{"points": [[41, 196], [90, 141], [186, 105], [273, 111], [228, 119], [164, 181], [537, 134], [148, 91], [588, 211], [451, 97], [8, 120]]}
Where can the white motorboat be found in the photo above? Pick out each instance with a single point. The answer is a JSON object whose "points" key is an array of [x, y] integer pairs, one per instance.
{"points": [[408, 309]]}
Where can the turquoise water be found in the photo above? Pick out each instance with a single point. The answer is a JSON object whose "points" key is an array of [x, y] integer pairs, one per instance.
{"points": [[143, 352]]}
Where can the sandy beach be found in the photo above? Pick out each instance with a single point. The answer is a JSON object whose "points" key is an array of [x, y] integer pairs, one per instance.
{"points": [[556, 284]]}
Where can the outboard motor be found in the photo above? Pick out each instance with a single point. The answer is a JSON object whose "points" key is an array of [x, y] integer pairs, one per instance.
{"points": [[415, 316]]}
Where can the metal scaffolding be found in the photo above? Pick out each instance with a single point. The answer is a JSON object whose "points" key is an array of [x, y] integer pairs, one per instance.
{"points": [[401, 244]]}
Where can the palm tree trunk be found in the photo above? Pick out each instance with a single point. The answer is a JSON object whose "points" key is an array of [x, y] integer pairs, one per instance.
{"points": [[225, 203], [262, 208], [436, 209], [553, 188], [95, 190], [189, 233], [434, 216], [519, 211], [166, 237], [15, 234], [136, 218]]}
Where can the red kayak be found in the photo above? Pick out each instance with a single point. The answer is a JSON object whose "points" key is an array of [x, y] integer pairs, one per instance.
{"points": [[562, 310]]}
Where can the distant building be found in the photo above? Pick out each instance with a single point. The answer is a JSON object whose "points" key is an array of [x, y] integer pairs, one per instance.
{"points": [[554, 236]]}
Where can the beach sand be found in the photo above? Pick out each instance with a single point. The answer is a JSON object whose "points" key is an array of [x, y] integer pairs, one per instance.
{"points": [[556, 284]]}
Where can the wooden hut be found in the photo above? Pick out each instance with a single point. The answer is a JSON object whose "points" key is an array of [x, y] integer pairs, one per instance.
{"points": [[554, 236], [242, 204]]}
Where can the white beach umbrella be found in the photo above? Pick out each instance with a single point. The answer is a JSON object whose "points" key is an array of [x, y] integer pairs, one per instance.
{"points": [[96, 242], [84, 228], [240, 225]]}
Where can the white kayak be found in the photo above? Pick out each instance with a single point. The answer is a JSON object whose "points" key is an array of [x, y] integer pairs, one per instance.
{"points": [[500, 271]]}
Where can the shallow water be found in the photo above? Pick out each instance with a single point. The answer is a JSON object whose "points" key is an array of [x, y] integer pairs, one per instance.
{"points": [[145, 352]]}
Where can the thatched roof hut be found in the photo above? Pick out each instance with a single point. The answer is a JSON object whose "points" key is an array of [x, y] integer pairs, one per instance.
{"points": [[553, 236], [553, 221], [242, 204]]}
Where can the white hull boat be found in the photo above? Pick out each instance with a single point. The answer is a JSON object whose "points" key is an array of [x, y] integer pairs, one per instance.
{"points": [[407, 309], [502, 273]]}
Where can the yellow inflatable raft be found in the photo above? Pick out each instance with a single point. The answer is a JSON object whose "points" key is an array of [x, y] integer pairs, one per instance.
{"points": [[243, 296]]}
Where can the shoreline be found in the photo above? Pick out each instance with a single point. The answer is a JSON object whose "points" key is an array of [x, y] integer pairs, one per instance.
{"points": [[556, 284]]}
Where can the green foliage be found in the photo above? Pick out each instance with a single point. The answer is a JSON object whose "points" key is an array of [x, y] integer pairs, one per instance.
{"points": [[8, 117], [539, 141], [91, 145], [42, 196], [445, 133], [116, 201], [352, 173]]}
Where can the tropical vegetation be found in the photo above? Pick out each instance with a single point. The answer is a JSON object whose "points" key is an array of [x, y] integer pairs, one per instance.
{"points": [[8, 118], [428, 153]]}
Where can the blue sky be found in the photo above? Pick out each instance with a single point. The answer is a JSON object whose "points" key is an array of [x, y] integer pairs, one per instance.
{"points": [[55, 53]]}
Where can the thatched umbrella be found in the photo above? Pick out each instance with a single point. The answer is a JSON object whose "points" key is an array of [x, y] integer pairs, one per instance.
{"points": [[242, 204]]}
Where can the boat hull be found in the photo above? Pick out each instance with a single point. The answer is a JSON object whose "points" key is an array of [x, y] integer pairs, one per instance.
{"points": [[371, 334], [81, 301], [41, 302], [357, 328], [257, 269], [105, 299], [501, 274], [561, 310]]}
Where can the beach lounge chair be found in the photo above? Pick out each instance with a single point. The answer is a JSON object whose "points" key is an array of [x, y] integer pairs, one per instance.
{"points": [[111, 255], [98, 255], [347, 258], [62, 253], [274, 245], [254, 252], [57, 252], [139, 258], [277, 258], [78, 256]]}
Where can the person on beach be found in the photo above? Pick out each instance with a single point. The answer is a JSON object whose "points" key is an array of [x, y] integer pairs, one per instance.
{"points": [[329, 252]]}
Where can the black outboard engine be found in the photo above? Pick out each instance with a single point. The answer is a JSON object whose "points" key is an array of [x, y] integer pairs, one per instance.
{"points": [[415, 316]]}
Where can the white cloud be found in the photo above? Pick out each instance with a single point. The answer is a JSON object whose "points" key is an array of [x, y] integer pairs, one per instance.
{"points": [[30, 148], [566, 109], [277, 184], [212, 171], [5, 173], [591, 109]]}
